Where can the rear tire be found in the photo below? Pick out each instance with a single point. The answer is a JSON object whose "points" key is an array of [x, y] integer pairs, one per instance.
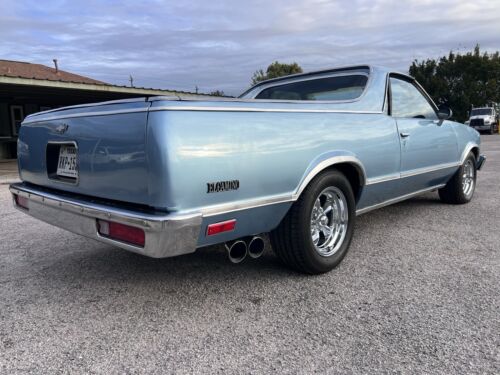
{"points": [[315, 234], [461, 187]]}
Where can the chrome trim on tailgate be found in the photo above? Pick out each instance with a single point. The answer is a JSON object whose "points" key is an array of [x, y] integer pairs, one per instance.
{"points": [[167, 235], [35, 119]]}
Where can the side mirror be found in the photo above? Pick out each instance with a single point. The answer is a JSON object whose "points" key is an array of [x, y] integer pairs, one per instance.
{"points": [[444, 113]]}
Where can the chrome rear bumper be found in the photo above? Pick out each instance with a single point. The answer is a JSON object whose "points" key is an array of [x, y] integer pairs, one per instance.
{"points": [[166, 235]]}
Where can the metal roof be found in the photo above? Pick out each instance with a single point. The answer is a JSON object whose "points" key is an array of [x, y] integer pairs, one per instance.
{"points": [[24, 73]]}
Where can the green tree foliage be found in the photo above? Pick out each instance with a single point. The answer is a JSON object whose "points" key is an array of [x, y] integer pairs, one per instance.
{"points": [[276, 69], [460, 81]]}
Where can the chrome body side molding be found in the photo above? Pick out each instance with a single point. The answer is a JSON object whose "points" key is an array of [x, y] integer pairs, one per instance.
{"points": [[434, 168], [380, 179], [413, 172], [226, 208], [397, 199]]}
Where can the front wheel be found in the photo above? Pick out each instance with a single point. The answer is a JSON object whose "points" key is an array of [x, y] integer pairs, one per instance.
{"points": [[461, 187], [316, 233]]}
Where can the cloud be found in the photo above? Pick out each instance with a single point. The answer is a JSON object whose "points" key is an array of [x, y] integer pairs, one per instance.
{"points": [[218, 45]]}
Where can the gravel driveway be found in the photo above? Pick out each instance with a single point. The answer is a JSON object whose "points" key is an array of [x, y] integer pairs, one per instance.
{"points": [[417, 293]]}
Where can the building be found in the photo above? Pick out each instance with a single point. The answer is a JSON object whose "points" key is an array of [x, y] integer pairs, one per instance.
{"points": [[27, 88]]}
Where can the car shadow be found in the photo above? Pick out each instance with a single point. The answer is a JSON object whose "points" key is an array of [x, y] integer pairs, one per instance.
{"points": [[106, 263], [97, 262]]}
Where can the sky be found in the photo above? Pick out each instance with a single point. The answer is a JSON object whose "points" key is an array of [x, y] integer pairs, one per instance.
{"points": [[217, 45]]}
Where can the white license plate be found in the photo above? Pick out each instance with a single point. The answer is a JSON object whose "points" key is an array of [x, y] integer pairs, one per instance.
{"points": [[67, 165]]}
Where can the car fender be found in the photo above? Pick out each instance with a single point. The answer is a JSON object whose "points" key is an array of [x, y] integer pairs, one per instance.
{"points": [[326, 160]]}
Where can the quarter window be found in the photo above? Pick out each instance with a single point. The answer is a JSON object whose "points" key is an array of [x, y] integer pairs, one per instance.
{"points": [[408, 101], [332, 88]]}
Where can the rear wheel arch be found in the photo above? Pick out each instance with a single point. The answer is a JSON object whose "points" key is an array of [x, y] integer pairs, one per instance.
{"points": [[349, 165], [353, 175], [469, 147]]}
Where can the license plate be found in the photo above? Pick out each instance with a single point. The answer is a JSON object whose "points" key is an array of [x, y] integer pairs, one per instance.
{"points": [[67, 165]]}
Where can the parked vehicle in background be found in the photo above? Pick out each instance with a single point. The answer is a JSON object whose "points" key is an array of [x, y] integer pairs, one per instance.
{"points": [[485, 119], [297, 157]]}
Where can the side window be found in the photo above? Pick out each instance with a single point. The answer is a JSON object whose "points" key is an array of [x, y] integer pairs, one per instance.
{"points": [[331, 88], [408, 101]]}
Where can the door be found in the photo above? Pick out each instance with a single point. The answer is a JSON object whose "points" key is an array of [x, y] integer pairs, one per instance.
{"points": [[429, 151]]}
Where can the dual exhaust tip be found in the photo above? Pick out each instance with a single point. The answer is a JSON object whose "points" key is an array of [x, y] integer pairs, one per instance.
{"points": [[238, 250]]}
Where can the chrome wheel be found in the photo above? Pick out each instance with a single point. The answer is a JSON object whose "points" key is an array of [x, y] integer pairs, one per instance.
{"points": [[329, 220], [468, 178]]}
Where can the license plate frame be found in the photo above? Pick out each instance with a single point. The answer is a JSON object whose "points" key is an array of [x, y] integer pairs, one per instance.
{"points": [[67, 162]]}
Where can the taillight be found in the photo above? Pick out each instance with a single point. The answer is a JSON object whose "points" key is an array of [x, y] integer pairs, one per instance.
{"points": [[121, 232], [21, 202], [223, 226]]}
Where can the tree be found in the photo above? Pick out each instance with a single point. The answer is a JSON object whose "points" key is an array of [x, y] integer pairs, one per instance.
{"points": [[460, 81], [276, 69], [217, 93]]}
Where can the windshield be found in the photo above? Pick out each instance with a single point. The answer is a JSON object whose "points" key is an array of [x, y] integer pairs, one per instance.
{"points": [[481, 112]]}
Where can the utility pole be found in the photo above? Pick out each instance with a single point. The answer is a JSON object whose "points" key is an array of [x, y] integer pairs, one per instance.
{"points": [[197, 89], [131, 79]]}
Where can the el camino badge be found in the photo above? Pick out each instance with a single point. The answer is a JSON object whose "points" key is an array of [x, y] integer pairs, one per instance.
{"points": [[216, 187]]}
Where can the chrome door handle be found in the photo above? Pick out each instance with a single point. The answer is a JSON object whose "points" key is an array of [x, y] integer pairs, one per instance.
{"points": [[404, 135]]}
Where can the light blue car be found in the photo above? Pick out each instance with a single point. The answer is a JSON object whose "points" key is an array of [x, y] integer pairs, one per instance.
{"points": [[298, 157]]}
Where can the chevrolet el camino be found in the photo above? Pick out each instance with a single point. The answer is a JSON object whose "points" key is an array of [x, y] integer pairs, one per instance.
{"points": [[297, 157]]}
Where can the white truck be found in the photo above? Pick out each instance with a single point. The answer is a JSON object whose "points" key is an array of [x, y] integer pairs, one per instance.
{"points": [[485, 119]]}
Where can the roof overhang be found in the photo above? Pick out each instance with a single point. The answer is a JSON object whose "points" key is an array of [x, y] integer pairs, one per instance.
{"points": [[96, 87]]}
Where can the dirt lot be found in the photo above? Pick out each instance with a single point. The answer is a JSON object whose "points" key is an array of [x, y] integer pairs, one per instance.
{"points": [[419, 292]]}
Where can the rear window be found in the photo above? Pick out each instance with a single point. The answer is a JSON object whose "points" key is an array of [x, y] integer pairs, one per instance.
{"points": [[331, 88]]}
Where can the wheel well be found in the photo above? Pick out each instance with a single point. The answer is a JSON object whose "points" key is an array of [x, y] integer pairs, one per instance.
{"points": [[353, 176], [475, 150]]}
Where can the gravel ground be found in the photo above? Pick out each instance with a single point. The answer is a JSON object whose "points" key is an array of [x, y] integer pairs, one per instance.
{"points": [[8, 171], [417, 293]]}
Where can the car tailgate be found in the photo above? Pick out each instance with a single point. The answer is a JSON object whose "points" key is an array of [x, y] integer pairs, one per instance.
{"points": [[110, 144]]}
